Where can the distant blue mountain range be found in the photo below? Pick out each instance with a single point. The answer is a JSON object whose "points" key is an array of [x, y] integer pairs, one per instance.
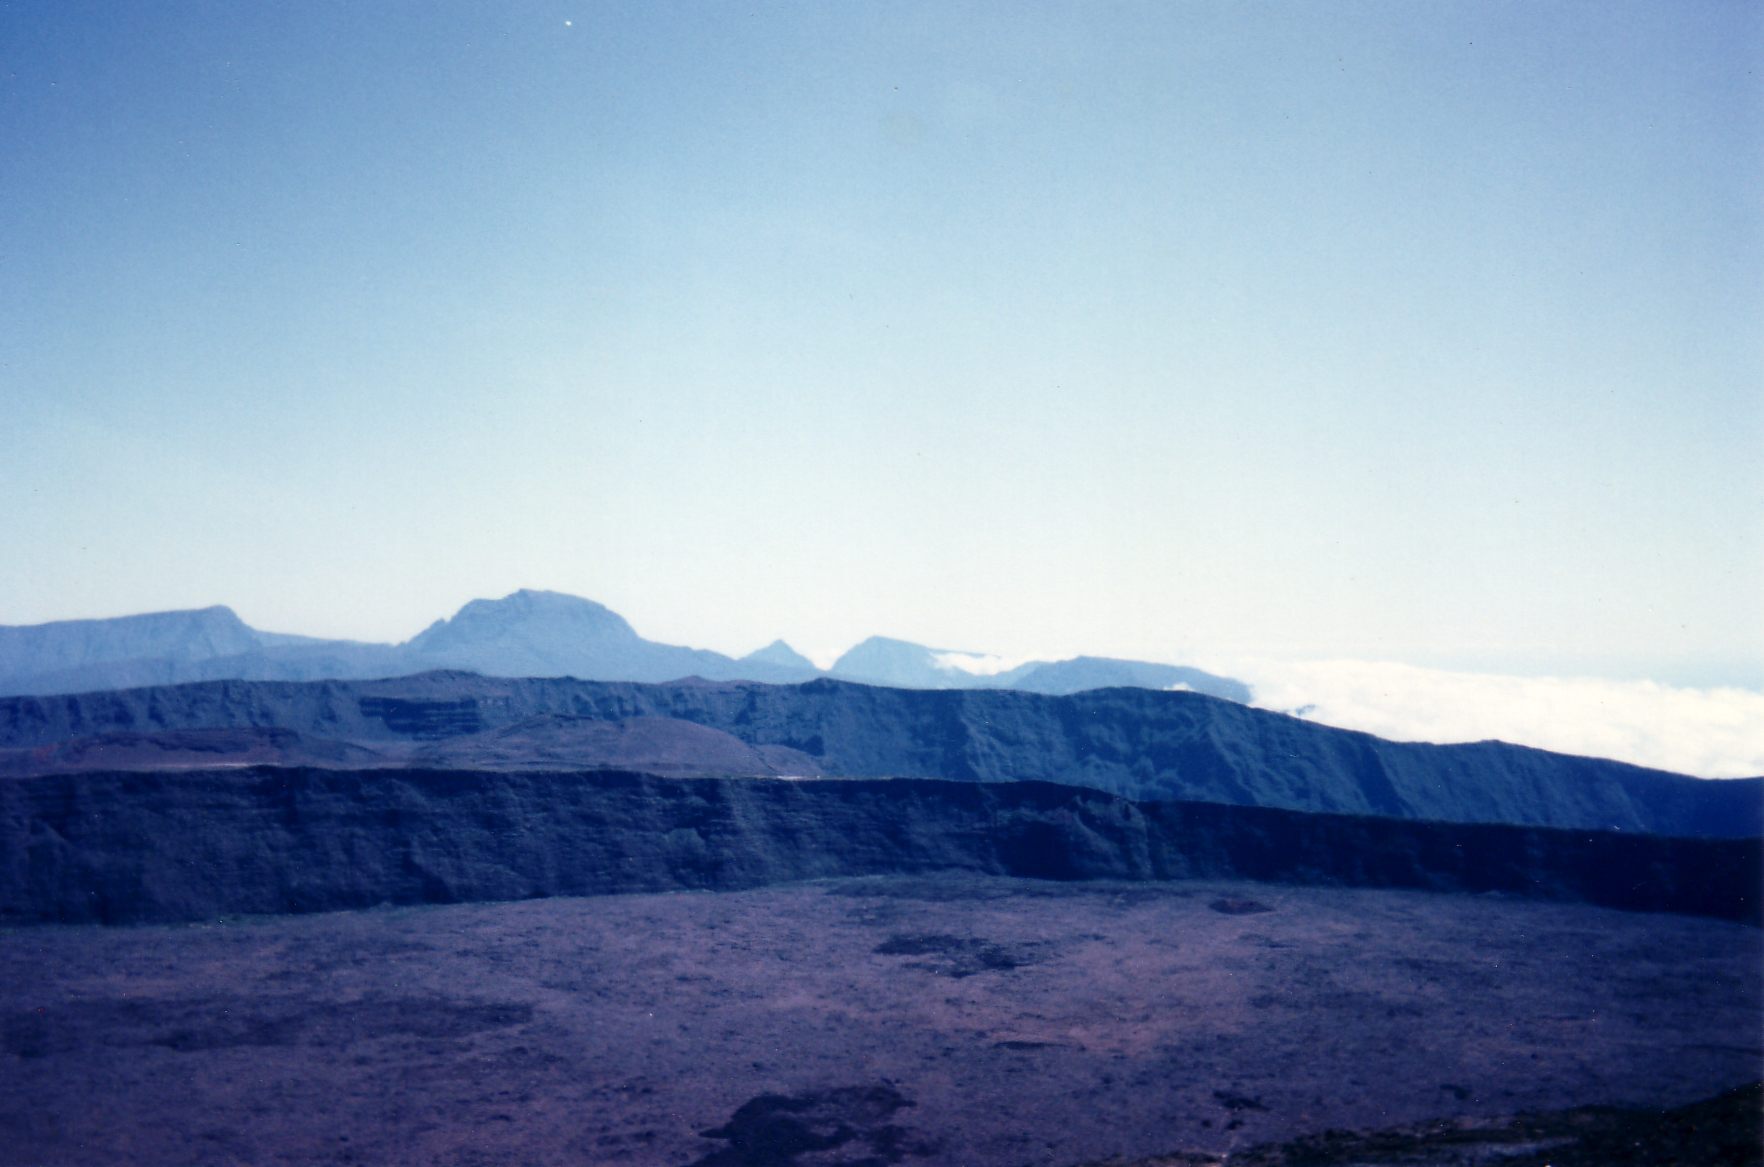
{"points": [[526, 634]]}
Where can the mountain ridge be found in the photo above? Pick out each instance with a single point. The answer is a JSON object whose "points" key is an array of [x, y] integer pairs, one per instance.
{"points": [[529, 632], [1139, 744]]}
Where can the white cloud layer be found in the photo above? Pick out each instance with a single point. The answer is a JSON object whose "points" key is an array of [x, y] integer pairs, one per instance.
{"points": [[978, 664], [1712, 733]]}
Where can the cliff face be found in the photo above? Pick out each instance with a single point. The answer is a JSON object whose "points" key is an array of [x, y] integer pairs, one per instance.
{"points": [[1139, 744], [126, 848]]}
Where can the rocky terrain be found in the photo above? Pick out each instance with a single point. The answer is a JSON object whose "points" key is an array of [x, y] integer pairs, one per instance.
{"points": [[1139, 744], [958, 1019]]}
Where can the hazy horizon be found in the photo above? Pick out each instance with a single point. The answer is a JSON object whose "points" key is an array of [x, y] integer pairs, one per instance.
{"points": [[823, 651], [1708, 731], [1377, 332]]}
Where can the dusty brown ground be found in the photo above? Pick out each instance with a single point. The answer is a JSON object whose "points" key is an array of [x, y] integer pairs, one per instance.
{"points": [[950, 1021]]}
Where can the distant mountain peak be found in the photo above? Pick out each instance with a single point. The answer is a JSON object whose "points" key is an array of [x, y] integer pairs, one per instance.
{"points": [[779, 653], [883, 660], [545, 616], [536, 602], [530, 632], [213, 614], [889, 642], [79, 649], [540, 597]]}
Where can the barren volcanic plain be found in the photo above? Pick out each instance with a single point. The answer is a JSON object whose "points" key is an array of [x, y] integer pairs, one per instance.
{"points": [[950, 1019]]}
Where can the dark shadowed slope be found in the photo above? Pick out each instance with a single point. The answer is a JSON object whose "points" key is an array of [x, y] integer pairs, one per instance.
{"points": [[121, 848], [1137, 743]]}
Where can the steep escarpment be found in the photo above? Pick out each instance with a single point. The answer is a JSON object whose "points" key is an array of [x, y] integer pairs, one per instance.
{"points": [[1136, 743], [136, 847], [652, 745], [185, 749]]}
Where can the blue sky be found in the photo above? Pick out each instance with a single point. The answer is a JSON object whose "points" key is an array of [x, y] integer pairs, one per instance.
{"points": [[1411, 332]]}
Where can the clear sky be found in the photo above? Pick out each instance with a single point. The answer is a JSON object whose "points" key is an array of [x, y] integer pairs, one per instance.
{"points": [[1426, 333]]}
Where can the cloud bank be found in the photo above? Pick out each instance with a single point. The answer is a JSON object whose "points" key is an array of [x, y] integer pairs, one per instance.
{"points": [[1712, 733], [978, 664]]}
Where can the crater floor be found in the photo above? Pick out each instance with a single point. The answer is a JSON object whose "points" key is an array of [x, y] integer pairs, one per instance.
{"points": [[945, 1020]]}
